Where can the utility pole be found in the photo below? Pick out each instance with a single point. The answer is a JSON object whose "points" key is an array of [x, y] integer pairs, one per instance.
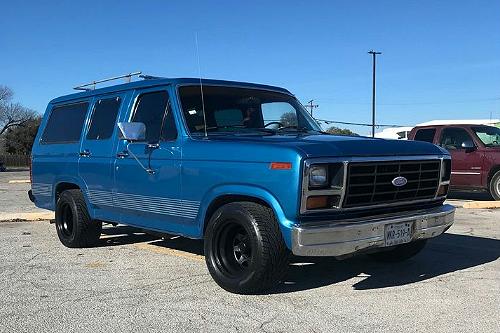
{"points": [[374, 54], [311, 106]]}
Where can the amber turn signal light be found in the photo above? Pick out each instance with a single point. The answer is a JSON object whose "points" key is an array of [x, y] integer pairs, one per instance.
{"points": [[281, 166]]}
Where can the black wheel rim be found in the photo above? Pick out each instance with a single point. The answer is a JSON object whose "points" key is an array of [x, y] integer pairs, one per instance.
{"points": [[66, 221], [233, 250]]}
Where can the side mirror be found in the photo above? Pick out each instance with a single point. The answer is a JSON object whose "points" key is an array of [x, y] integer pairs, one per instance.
{"points": [[468, 145], [132, 132]]}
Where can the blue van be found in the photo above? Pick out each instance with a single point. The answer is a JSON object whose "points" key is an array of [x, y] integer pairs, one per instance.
{"points": [[242, 166]]}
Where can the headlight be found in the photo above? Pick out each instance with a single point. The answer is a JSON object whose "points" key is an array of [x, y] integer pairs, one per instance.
{"points": [[323, 186], [318, 176]]}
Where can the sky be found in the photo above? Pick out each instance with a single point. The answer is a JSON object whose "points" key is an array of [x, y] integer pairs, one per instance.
{"points": [[440, 59]]}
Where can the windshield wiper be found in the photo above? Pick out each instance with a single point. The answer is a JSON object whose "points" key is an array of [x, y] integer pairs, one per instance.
{"points": [[240, 130], [298, 129]]}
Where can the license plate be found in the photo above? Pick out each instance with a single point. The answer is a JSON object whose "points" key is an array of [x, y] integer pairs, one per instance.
{"points": [[398, 233]]}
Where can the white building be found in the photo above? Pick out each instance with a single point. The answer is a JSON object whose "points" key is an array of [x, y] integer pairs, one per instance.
{"points": [[397, 133]]}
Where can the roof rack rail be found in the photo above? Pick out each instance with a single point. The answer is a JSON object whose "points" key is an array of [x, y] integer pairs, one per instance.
{"points": [[127, 77]]}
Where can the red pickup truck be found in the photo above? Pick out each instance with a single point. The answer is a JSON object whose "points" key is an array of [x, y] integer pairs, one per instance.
{"points": [[475, 154]]}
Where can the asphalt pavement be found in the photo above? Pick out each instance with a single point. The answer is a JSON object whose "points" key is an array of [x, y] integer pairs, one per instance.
{"points": [[135, 282]]}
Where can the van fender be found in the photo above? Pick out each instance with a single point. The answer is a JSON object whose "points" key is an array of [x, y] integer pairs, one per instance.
{"points": [[77, 181], [285, 224]]}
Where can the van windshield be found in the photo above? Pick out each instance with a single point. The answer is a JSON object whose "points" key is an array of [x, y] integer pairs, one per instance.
{"points": [[243, 111], [489, 135]]}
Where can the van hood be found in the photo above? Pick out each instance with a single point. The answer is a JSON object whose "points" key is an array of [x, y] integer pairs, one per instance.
{"points": [[341, 146]]}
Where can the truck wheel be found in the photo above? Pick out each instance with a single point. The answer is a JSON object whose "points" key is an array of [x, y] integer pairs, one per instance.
{"points": [[244, 249], [74, 226], [400, 252], [494, 186]]}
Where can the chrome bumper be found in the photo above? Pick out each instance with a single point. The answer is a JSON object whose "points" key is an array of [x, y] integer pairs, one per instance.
{"points": [[337, 238]]}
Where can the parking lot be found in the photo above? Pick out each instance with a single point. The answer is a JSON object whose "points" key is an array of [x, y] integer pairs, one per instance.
{"points": [[134, 282]]}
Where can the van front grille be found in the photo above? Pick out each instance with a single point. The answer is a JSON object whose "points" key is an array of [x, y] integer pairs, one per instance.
{"points": [[370, 183]]}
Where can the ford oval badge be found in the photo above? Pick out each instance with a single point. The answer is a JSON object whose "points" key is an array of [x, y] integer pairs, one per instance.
{"points": [[399, 181]]}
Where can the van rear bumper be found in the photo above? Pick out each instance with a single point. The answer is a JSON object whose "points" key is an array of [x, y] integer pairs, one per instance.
{"points": [[30, 195], [338, 238]]}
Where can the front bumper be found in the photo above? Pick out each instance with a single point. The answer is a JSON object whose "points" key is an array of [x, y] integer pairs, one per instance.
{"points": [[338, 238]]}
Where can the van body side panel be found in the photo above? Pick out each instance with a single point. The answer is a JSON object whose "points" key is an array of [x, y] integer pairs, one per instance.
{"points": [[52, 163], [96, 169], [152, 200]]}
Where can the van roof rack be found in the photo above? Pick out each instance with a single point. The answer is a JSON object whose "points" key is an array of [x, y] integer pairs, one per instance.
{"points": [[127, 77]]}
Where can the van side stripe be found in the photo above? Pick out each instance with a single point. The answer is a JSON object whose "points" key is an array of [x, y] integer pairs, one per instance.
{"points": [[41, 189], [156, 205]]}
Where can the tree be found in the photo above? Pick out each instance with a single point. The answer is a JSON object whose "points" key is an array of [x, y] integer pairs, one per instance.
{"points": [[12, 114], [19, 139], [341, 131], [288, 119]]}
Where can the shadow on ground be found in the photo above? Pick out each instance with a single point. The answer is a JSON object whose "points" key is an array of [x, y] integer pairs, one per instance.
{"points": [[15, 170], [444, 254], [475, 196], [121, 235]]}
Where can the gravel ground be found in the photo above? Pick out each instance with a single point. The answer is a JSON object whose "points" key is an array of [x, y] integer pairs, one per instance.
{"points": [[137, 283]]}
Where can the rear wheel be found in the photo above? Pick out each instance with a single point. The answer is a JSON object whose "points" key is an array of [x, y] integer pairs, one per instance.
{"points": [[74, 226], [494, 186], [244, 249], [400, 252]]}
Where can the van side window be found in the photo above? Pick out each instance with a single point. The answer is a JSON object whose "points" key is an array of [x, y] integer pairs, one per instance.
{"points": [[426, 134], [452, 138], [65, 123], [150, 110], [103, 119]]}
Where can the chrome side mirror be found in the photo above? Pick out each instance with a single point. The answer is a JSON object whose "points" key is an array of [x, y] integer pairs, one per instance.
{"points": [[132, 132], [468, 146]]}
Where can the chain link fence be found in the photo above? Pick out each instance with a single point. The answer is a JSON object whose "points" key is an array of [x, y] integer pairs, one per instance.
{"points": [[16, 161]]}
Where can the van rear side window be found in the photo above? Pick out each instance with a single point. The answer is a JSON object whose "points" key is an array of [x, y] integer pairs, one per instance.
{"points": [[104, 119], [65, 123]]}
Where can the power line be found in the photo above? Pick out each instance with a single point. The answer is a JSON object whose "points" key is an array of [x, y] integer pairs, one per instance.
{"points": [[327, 121], [411, 103]]}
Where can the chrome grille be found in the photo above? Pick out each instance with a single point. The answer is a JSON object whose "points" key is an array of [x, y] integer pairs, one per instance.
{"points": [[370, 183]]}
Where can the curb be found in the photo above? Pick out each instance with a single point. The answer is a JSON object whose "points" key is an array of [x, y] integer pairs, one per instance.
{"points": [[8, 217], [482, 204], [19, 181]]}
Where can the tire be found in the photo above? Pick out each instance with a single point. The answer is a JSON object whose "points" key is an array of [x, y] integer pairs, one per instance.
{"points": [[244, 249], [494, 186], [74, 226], [400, 252]]}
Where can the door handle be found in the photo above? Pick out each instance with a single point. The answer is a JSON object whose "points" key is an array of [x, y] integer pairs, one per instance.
{"points": [[122, 154], [85, 153]]}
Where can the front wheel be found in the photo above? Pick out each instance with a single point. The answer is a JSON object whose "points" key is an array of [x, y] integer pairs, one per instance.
{"points": [[494, 186], [244, 249], [400, 252]]}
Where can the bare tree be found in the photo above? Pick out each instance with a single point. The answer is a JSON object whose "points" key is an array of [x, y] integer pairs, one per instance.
{"points": [[12, 114]]}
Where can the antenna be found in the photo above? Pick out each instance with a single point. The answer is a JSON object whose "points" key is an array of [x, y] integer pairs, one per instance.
{"points": [[201, 84]]}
